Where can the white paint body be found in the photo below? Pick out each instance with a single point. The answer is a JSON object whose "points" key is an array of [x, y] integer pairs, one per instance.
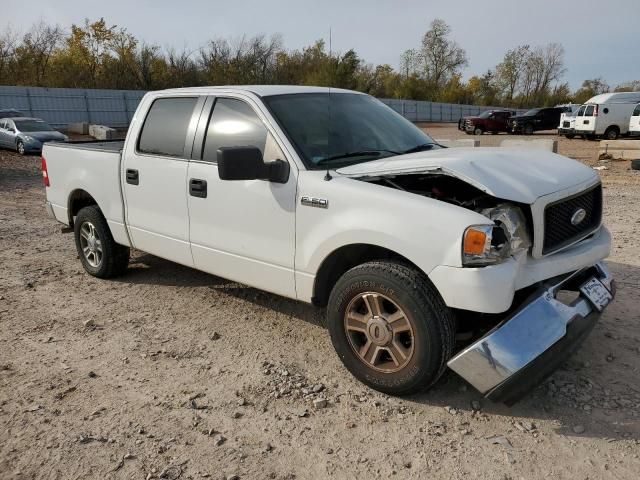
{"points": [[258, 233], [634, 122], [613, 111]]}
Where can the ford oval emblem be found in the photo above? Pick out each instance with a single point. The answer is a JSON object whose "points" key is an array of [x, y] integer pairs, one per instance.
{"points": [[578, 216]]}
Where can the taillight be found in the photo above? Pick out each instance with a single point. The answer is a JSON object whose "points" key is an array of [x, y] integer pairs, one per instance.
{"points": [[595, 111], [45, 174]]}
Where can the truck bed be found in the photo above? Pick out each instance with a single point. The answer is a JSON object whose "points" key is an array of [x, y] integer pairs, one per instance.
{"points": [[77, 168], [101, 146]]}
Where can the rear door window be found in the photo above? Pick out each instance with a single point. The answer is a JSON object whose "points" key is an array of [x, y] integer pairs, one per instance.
{"points": [[165, 129], [233, 123], [589, 111]]}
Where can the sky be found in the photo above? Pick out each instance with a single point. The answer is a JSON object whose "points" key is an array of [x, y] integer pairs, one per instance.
{"points": [[601, 39]]}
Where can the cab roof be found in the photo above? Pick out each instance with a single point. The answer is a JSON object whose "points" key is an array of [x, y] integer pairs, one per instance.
{"points": [[260, 90]]}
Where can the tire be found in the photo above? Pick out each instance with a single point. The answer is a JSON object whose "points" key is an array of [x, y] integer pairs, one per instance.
{"points": [[99, 254], [528, 129], [635, 164], [428, 335], [478, 131], [20, 148], [569, 136], [611, 133]]}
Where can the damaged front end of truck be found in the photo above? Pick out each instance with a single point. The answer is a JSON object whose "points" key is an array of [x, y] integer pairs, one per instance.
{"points": [[550, 237]]}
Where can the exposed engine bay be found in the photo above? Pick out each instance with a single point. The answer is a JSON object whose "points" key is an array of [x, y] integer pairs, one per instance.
{"points": [[440, 187]]}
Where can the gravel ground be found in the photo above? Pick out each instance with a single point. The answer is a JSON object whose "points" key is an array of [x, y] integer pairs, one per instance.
{"points": [[171, 373]]}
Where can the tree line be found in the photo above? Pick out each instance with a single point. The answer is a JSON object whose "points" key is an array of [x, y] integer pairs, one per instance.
{"points": [[98, 55]]}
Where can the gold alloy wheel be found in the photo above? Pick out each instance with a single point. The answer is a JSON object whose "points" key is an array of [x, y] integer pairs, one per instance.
{"points": [[379, 332]]}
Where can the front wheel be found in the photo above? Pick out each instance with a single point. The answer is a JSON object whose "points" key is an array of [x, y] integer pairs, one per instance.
{"points": [[20, 147], [569, 136], [100, 255], [390, 327], [528, 129], [478, 131]]}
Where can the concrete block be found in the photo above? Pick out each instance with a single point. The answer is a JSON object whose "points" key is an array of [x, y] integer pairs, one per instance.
{"points": [[80, 127], [620, 149], [547, 144], [459, 143], [100, 132]]}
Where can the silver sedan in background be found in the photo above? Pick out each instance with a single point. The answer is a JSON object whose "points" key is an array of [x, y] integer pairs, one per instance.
{"points": [[27, 135]]}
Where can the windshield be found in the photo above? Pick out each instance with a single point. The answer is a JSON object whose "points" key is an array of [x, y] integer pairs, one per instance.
{"points": [[339, 129], [485, 114], [33, 126], [532, 112]]}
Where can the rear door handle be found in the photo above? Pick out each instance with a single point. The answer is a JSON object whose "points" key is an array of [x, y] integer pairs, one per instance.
{"points": [[133, 178], [198, 188]]}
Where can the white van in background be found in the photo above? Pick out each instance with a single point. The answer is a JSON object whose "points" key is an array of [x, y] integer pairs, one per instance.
{"points": [[607, 115], [634, 122], [567, 125]]}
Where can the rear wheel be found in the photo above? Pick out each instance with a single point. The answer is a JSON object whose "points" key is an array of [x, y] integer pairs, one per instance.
{"points": [[611, 133], [100, 255], [390, 327], [635, 164], [20, 147]]}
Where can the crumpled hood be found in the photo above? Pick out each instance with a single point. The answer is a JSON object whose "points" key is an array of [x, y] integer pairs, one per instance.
{"points": [[507, 173], [45, 136]]}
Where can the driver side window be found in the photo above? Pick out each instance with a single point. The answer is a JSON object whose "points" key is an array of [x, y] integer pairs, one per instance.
{"points": [[233, 123]]}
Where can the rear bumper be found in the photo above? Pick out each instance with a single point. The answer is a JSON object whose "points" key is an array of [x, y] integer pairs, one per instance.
{"points": [[49, 208], [533, 341]]}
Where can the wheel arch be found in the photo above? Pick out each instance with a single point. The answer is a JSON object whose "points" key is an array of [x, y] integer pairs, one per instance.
{"points": [[78, 199], [345, 258]]}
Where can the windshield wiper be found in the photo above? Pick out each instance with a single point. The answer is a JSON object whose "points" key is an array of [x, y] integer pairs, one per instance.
{"points": [[420, 148], [359, 153]]}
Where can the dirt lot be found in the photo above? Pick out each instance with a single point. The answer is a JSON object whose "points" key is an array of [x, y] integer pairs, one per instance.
{"points": [[171, 373]]}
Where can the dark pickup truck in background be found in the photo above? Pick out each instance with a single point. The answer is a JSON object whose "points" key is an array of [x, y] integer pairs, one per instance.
{"points": [[537, 119], [493, 121]]}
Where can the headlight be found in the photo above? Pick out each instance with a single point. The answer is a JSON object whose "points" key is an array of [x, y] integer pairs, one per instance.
{"points": [[491, 244], [27, 138], [484, 245]]}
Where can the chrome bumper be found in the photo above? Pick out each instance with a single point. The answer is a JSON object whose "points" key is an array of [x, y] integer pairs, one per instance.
{"points": [[497, 361]]}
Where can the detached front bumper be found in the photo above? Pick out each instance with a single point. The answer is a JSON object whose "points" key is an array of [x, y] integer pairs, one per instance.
{"points": [[533, 341]]}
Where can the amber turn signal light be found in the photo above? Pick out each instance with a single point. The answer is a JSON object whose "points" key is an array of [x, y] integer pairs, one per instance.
{"points": [[474, 242]]}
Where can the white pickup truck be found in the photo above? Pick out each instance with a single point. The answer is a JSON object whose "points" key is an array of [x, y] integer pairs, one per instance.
{"points": [[485, 260]]}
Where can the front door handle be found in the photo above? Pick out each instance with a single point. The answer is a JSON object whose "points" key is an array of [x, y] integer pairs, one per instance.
{"points": [[198, 188], [133, 178]]}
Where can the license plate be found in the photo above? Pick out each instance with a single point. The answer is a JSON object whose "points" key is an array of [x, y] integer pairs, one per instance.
{"points": [[597, 293]]}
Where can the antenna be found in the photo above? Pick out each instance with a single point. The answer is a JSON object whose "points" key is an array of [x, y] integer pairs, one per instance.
{"points": [[328, 176]]}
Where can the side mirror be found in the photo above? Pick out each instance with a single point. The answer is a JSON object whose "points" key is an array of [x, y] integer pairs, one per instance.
{"points": [[246, 163]]}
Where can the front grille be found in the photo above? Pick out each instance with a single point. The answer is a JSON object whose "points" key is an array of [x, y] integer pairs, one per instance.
{"points": [[558, 229], [566, 124]]}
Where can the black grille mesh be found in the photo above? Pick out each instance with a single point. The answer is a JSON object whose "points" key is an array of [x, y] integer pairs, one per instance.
{"points": [[558, 230]]}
